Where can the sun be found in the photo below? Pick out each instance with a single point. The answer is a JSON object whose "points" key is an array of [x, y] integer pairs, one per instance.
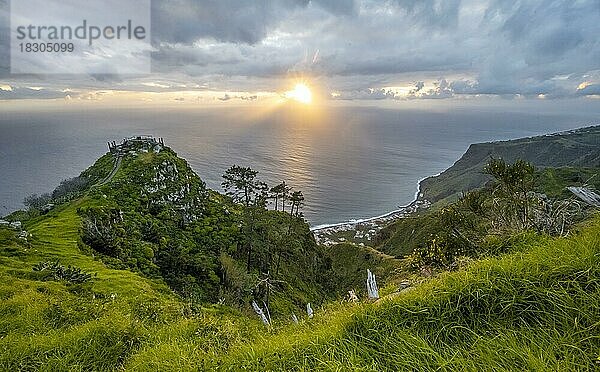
{"points": [[301, 93]]}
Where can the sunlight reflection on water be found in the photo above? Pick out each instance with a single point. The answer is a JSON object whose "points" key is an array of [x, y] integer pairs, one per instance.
{"points": [[349, 162]]}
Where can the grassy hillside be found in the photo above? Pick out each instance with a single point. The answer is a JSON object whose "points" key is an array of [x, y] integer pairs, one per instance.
{"points": [[207, 247], [154, 216], [403, 236], [99, 325], [350, 263], [554, 181], [532, 305], [578, 148], [535, 308]]}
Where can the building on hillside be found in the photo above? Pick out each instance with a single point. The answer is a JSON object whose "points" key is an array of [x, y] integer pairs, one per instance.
{"points": [[136, 143]]}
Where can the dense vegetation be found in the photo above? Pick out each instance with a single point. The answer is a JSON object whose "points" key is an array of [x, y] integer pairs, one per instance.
{"points": [[490, 220], [157, 217], [534, 308], [150, 270]]}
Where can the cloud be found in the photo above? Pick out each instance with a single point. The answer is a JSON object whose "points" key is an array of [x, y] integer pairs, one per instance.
{"points": [[441, 89], [30, 93], [4, 38], [438, 48], [236, 21], [365, 94], [506, 48], [432, 13], [243, 97], [337, 7], [589, 89], [185, 21]]}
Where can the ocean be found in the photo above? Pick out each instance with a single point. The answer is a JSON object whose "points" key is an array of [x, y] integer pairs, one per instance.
{"points": [[350, 162]]}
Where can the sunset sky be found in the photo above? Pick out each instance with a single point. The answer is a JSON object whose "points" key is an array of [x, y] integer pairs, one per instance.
{"points": [[390, 52]]}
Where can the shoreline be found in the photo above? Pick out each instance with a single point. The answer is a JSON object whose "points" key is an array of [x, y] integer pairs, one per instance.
{"points": [[362, 220], [362, 231], [386, 216]]}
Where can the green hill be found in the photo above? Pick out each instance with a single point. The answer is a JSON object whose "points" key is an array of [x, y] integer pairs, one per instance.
{"points": [[534, 308], [561, 160], [577, 148], [146, 211], [350, 262], [140, 267]]}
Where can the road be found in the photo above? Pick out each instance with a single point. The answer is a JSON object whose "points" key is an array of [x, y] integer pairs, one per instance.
{"points": [[112, 173]]}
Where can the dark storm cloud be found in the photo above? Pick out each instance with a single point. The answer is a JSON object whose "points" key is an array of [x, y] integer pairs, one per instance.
{"points": [[185, 21], [541, 39], [558, 42], [4, 38], [340, 7], [237, 21], [432, 13], [511, 48]]}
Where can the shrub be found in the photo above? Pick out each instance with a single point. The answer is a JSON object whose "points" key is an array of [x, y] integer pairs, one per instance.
{"points": [[69, 187], [37, 202], [56, 271]]}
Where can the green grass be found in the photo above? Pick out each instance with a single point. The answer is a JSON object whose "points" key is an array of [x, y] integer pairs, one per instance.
{"points": [[350, 263], [50, 325], [536, 308], [402, 237], [554, 181]]}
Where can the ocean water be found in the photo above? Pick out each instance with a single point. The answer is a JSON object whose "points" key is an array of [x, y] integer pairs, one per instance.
{"points": [[349, 162]]}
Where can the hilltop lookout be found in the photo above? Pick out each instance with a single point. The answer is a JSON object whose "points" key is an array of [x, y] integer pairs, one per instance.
{"points": [[135, 144]]}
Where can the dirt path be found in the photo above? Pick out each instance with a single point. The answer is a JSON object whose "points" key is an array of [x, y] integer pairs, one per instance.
{"points": [[114, 171]]}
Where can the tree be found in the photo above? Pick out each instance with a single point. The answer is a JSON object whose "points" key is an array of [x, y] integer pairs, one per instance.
{"points": [[297, 200], [35, 202], [512, 193], [276, 192], [101, 231], [241, 184], [285, 192], [69, 186]]}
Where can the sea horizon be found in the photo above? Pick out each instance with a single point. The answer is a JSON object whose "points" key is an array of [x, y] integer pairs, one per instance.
{"points": [[355, 163]]}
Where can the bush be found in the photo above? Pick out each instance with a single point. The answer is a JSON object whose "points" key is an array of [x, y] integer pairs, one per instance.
{"points": [[69, 187], [56, 271], [37, 202]]}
